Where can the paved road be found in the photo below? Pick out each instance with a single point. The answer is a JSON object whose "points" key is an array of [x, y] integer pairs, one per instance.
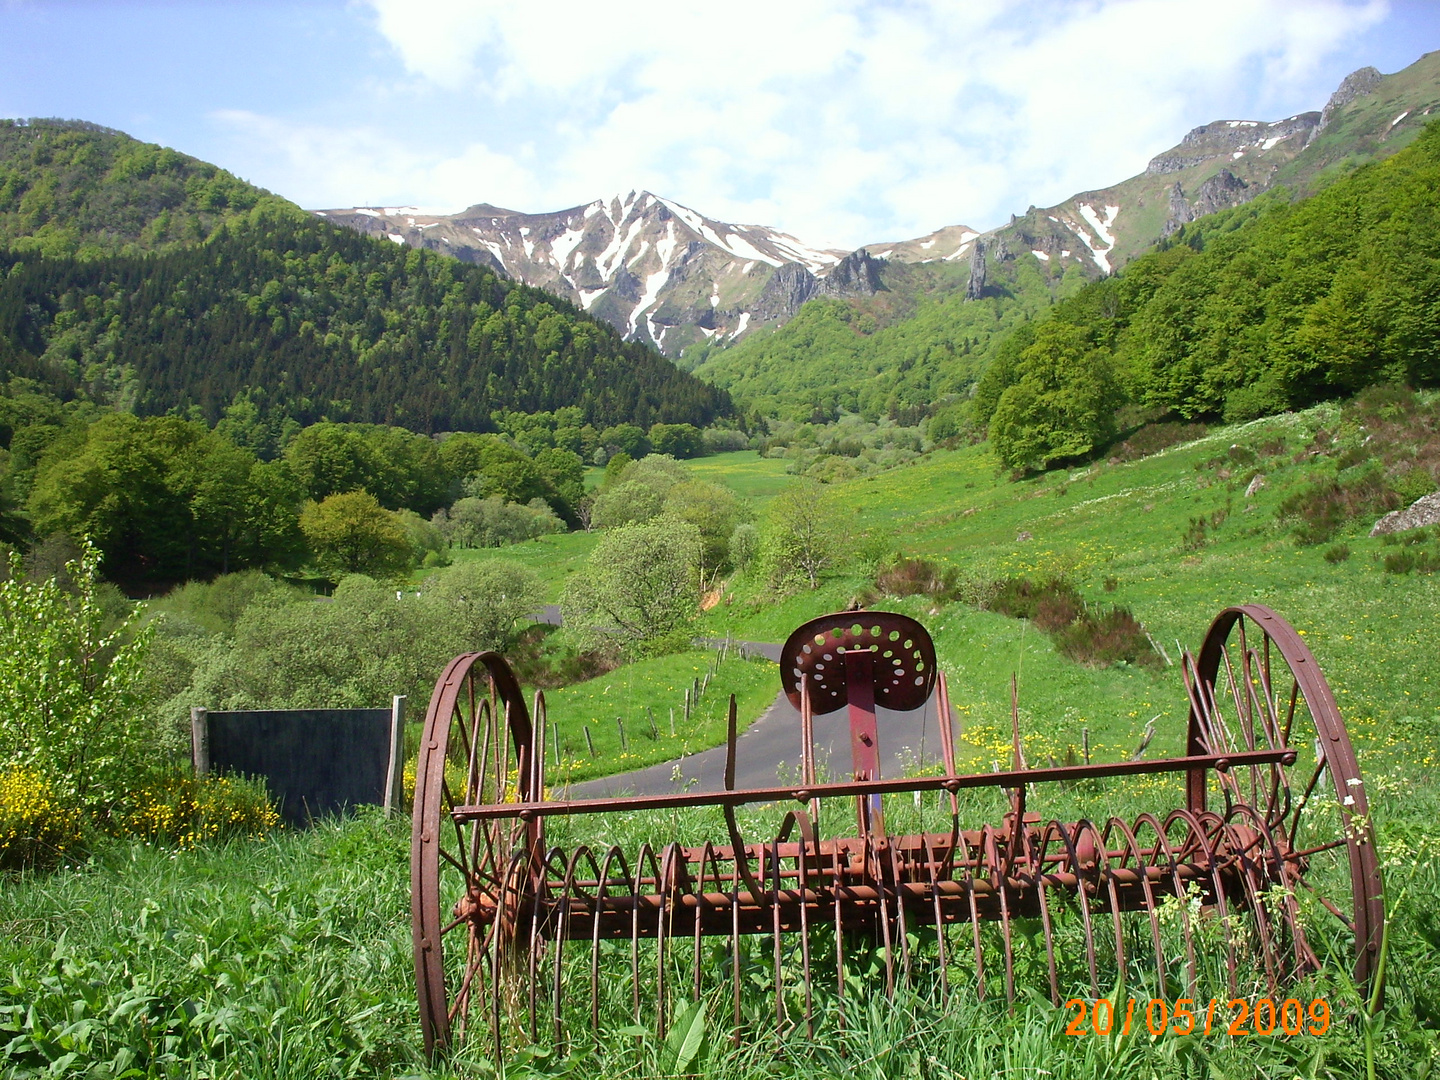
{"points": [[768, 751]]}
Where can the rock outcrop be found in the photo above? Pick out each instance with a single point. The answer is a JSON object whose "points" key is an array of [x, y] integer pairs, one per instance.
{"points": [[1423, 511]]}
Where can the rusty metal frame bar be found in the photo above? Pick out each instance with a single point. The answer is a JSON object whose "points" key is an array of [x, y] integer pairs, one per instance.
{"points": [[1010, 778]]}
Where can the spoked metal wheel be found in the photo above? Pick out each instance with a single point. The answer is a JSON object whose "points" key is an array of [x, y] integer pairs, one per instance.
{"points": [[1304, 827], [466, 877]]}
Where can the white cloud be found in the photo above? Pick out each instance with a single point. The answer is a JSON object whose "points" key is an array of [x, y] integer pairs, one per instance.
{"points": [[840, 121], [364, 165]]}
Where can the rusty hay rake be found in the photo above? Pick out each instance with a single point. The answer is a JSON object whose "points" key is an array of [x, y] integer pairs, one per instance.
{"points": [[1265, 871]]}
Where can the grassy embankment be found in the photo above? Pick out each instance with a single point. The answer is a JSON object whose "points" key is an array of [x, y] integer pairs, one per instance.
{"points": [[292, 957]]}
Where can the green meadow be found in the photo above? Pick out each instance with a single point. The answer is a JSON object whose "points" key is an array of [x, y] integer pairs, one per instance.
{"points": [[292, 956]]}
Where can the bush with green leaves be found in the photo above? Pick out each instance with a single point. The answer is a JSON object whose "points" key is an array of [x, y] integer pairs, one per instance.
{"points": [[637, 491], [71, 686], [744, 546], [350, 650], [486, 604], [803, 535], [638, 590], [493, 522], [351, 533]]}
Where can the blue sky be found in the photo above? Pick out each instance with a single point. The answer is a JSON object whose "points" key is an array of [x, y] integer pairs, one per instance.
{"points": [[841, 121]]}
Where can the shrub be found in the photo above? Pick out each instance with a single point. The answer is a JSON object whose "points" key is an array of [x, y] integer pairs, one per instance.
{"points": [[917, 577], [1020, 598], [638, 589], [493, 522], [70, 687], [1099, 640], [1320, 510], [488, 603], [724, 440], [1337, 554], [1407, 559], [188, 810], [1198, 534], [744, 546], [1087, 635], [1400, 562], [37, 831], [1152, 438]]}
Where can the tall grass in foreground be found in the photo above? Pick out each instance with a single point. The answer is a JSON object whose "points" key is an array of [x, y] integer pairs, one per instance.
{"points": [[291, 958]]}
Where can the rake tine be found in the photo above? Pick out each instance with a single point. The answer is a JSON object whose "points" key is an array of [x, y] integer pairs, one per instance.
{"points": [[1002, 889], [602, 890], [900, 914], [1162, 845], [970, 868], [532, 959], [646, 851], [1041, 892], [840, 868], [1143, 869], [1108, 873], [775, 932], [940, 934], [874, 870], [707, 854], [1207, 848], [1072, 853], [735, 943], [800, 867], [562, 933], [666, 885]]}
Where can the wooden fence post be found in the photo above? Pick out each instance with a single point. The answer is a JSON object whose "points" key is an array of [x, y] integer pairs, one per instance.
{"points": [[395, 771], [200, 739]]}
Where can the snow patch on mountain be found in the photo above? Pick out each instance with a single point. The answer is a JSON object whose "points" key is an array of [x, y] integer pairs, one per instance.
{"points": [[564, 245], [653, 284]]}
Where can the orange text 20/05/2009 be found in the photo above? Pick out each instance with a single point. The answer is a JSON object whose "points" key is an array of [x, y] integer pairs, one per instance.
{"points": [[1186, 1016]]}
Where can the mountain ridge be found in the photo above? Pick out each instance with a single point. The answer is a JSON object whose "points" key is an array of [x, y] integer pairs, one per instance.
{"points": [[665, 274], [655, 269]]}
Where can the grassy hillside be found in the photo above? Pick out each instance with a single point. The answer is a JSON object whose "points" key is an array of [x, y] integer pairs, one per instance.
{"points": [[1126, 534]]}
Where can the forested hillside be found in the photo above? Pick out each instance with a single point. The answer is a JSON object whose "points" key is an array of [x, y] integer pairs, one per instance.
{"points": [[68, 187], [855, 355], [313, 322], [295, 318], [1263, 308], [924, 342]]}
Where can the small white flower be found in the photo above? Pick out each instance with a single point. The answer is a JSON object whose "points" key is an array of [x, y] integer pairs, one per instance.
{"points": [[1354, 781], [1349, 800]]}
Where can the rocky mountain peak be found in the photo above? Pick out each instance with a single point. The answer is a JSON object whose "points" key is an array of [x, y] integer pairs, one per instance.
{"points": [[655, 269], [1357, 84], [1230, 139]]}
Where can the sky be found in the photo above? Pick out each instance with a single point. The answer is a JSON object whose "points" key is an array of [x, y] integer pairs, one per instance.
{"points": [[843, 122]]}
